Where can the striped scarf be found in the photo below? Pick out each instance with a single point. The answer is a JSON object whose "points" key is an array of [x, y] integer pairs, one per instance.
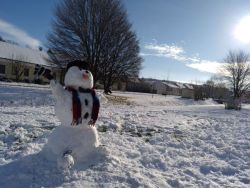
{"points": [[77, 107]]}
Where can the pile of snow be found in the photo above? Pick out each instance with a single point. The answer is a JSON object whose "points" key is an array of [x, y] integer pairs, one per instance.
{"points": [[19, 84], [81, 142], [159, 145], [13, 95]]}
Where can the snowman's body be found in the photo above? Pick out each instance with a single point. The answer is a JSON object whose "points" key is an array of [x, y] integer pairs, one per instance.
{"points": [[63, 106], [73, 142]]}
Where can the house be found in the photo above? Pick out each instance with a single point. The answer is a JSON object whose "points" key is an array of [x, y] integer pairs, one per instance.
{"points": [[18, 63], [174, 88], [159, 88], [167, 88], [187, 91]]}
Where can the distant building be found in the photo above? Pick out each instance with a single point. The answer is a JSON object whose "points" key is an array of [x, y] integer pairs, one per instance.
{"points": [[167, 88], [173, 88], [18, 63], [159, 88], [187, 91]]}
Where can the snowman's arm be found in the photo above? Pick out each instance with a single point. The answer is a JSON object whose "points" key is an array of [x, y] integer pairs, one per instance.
{"points": [[57, 89]]}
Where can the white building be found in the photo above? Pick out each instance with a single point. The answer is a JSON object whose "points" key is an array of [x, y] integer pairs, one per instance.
{"points": [[18, 63]]}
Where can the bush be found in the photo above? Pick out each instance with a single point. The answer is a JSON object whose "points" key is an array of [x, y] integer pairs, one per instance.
{"points": [[233, 104], [38, 81], [142, 87], [26, 81], [4, 79], [199, 93]]}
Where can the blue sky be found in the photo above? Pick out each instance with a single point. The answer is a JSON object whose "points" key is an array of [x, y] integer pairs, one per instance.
{"points": [[182, 40]]}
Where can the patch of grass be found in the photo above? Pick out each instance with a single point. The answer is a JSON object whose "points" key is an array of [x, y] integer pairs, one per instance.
{"points": [[102, 128], [117, 99]]}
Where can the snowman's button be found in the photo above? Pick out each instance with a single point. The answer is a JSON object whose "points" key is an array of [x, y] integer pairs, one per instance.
{"points": [[86, 102], [86, 115]]}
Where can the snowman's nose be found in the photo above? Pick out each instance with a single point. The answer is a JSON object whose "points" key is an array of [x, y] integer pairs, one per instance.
{"points": [[85, 76]]}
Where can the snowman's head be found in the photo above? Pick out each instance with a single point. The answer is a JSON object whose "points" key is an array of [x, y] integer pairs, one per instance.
{"points": [[76, 77]]}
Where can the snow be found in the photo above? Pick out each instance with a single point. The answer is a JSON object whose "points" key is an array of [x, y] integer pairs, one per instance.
{"points": [[188, 86], [15, 52], [82, 143], [149, 141], [180, 85], [170, 85]]}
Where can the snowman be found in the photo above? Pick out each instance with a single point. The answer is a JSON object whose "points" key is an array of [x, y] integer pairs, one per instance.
{"points": [[77, 107]]}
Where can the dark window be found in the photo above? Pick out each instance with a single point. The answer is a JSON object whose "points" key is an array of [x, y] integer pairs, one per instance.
{"points": [[2, 69], [26, 72]]}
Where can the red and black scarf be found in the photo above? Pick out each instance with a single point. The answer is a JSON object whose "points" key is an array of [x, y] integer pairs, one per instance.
{"points": [[77, 106]]}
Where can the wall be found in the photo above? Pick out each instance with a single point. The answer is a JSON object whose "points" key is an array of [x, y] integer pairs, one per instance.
{"points": [[187, 93], [160, 88], [8, 72]]}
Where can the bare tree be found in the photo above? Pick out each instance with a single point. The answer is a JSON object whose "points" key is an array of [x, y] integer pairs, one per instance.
{"points": [[209, 88], [237, 72], [18, 67], [215, 88], [97, 31]]}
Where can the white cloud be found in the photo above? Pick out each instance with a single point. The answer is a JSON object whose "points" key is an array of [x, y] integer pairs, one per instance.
{"points": [[178, 53], [18, 35], [206, 66], [193, 59], [164, 50]]}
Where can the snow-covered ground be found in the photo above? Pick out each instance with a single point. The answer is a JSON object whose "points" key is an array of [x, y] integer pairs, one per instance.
{"points": [[151, 141]]}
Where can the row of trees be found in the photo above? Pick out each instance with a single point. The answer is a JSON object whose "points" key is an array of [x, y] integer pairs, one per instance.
{"points": [[99, 32], [233, 80], [231, 84]]}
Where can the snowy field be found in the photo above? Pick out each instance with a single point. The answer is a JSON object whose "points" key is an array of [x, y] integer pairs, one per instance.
{"points": [[150, 141]]}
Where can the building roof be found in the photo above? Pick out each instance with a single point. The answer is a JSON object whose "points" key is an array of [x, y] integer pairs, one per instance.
{"points": [[170, 85], [188, 86], [17, 53], [173, 84], [180, 85]]}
